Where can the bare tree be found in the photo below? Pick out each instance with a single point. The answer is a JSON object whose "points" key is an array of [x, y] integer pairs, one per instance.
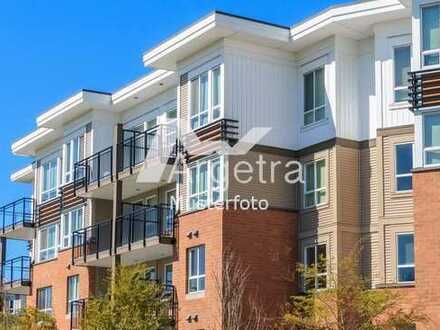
{"points": [[238, 310]]}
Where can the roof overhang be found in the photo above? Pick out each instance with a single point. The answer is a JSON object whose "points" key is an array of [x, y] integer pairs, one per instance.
{"points": [[24, 175], [74, 107], [143, 89], [355, 20], [206, 31], [28, 145]]}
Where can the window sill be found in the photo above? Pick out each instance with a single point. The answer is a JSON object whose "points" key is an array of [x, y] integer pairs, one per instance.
{"points": [[396, 285], [314, 125], [195, 295], [404, 105], [402, 194], [315, 208]]}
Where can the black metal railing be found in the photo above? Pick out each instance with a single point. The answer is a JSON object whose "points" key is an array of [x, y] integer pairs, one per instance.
{"points": [[142, 223], [157, 142], [93, 169], [137, 224], [77, 313], [424, 88], [16, 271], [169, 296], [92, 241], [18, 213]]}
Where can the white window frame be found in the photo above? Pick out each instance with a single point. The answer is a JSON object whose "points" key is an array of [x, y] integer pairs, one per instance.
{"points": [[68, 169], [55, 247], [66, 219], [399, 88], [431, 51], [72, 299], [57, 160], [197, 277], [210, 188], [317, 275], [315, 190], [397, 257], [428, 149], [46, 309], [211, 107], [315, 108], [396, 176]]}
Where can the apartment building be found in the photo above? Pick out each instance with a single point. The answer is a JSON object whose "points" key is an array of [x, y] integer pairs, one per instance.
{"points": [[139, 175]]}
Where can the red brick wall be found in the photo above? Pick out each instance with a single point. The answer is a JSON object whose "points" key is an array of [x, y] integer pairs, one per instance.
{"points": [[427, 242], [55, 273], [265, 240]]}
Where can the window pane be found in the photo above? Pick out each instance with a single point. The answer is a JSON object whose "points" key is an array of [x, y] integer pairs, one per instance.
{"points": [[320, 174], [310, 199], [216, 87], [68, 159], [431, 29], [433, 157], [203, 177], [319, 87], [322, 256], [308, 91], [194, 97], [192, 285], [202, 283], [194, 180], [406, 274], [204, 92], [400, 95], [404, 158], [432, 131], [308, 118], [431, 59], [310, 177], [310, 256], [319, 114], [406, 249], [201, 260], [193, 262], [172, 114], [402, 65], [404, 183]]}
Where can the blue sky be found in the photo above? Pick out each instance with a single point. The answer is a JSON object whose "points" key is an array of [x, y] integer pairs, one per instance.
{"points": [[50, 49]]}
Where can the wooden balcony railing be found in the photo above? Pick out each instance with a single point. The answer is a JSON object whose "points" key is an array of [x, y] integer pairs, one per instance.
{"points": [[424, 89]]}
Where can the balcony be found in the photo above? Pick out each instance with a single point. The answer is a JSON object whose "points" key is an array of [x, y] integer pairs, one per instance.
{"points": [[167, 294], [154, 149], [424, 89], [77, 311], [204, 140], [143, 233], [16, 275], [17, 219]]}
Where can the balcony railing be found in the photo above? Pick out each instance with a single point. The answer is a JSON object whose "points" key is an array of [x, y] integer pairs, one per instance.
{"points": [[94, 169], [424, 88], [17, 214], [16, 272], [158, 142], [136, 225], [169, 296], [77, 313]]}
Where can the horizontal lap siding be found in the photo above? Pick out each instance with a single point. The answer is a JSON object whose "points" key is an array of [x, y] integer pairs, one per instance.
{"points": [[369, 186]]}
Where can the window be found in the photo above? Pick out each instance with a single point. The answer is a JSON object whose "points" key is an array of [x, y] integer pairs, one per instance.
{"points": [[314, 96], [150, 274], [431, 140], [404, 165], [402, 65], [405, 258], [431, 35], [44, 299], [71, 221], [48, 237], [73, 153], [168, 274], [206, 97], [315, 190], [196, 269], [315, 262], [72, 290], [49, 179], [205, 186]]}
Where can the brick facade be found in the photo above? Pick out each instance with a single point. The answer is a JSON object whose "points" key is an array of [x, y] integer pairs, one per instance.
{"points": [[55, 274], [427, 238], [265, 240]]}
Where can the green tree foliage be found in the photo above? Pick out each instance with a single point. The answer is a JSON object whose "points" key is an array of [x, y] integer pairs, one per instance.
{"points": [[348, 303], [135, 304], [27, 319]]}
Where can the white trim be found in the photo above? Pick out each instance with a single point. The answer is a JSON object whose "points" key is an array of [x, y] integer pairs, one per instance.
{"points": [[55, 156], [315, 247], [25, 174], [68, 215], [55, 247], [198, 276], [315, 190], [431, 51]]}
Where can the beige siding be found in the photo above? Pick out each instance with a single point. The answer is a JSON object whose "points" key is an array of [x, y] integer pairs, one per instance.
{"points": [[369, 186], [370, 258]]}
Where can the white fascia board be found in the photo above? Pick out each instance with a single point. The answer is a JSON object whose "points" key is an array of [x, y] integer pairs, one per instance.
{"points": [[24, 175], [344, 13], [210, 29], [73, 107], [142, 85], [26, 146]]}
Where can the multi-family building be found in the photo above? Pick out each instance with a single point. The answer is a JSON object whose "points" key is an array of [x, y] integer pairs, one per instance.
{"points": [[132, 177]]}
